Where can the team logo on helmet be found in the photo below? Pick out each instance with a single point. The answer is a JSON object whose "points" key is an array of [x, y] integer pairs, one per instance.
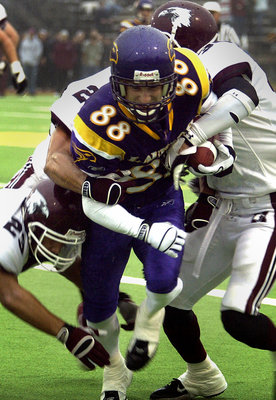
{"points": [[171, 51], [37, 202], [179, 17], [114, 56]]}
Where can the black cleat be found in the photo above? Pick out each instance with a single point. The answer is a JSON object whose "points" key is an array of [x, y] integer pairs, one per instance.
{"points": [[138, 357], [173, 391], [113, 395]]}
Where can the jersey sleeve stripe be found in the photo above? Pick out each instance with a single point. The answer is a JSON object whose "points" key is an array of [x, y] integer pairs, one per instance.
{"points": [[200, 69], [96, 143]]}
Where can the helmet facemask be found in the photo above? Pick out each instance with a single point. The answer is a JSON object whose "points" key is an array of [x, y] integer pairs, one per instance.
{"points": [[142, 57], [145, 112], [69, 250]]}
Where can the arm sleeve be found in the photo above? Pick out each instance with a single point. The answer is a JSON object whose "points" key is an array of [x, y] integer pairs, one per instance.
{"points": [[115, 218]]}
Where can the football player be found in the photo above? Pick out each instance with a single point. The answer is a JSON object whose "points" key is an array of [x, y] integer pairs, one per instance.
{"points": [[60, 165], [144, 9], [239, 240], [119, 140], [9, 40], [46, 226], [62, 114]]}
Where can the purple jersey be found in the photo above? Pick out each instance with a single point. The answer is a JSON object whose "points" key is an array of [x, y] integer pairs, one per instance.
{"points": [[103, 141]]}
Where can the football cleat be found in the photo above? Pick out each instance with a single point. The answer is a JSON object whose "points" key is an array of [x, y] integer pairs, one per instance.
{"points": [[116, 379], [205, 382], [113, 395], [174, 390], [144, 342]]}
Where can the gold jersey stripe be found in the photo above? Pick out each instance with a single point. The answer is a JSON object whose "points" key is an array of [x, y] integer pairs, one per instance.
{"points": [[141, 126], [200, 69], [95, 142]]}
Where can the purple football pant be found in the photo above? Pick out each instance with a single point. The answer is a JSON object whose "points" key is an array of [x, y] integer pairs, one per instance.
{"points": [[106, 253]]}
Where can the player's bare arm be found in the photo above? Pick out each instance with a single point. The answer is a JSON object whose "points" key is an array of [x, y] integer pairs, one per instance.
{"points": [[60, 166], [25, 306]]}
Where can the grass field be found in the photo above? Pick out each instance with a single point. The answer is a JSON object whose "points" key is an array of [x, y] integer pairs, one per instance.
{"points": [[35, 366]]}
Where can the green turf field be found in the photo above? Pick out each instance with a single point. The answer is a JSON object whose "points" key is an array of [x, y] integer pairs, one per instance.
{"points": [[35, 366]]}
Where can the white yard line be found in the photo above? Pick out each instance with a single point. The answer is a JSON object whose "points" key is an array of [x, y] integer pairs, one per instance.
{"points": [[213, 293]]}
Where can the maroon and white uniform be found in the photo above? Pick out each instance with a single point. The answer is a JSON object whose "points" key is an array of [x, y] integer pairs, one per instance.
{"points": [[241, 236], [63, 112]]}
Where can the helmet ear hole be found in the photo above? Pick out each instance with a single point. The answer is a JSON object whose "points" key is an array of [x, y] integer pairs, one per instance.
{"points": [[142, 56], [189, 24]]}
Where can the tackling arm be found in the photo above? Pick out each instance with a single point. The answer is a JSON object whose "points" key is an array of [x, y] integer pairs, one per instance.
{"points": [[25, 306], [237, 99], [60, 165]]}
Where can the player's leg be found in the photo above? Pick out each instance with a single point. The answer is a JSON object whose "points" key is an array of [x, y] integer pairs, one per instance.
{"points": [[253, 274], [161, 274], [104, 257], [202, 376]]}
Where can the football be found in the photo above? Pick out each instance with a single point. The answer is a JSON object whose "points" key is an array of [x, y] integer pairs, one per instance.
{"points": [[206, 154]]}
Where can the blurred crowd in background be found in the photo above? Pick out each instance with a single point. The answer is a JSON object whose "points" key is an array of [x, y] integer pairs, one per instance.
{"points": [[66, 40]]}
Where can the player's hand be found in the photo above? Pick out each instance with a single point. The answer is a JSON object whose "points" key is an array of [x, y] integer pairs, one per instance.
{"points": [[110, 189], [199, 213], [83, 346], [128, 310], [179, 166], [163, 236], [223, 164], [19, 79]]}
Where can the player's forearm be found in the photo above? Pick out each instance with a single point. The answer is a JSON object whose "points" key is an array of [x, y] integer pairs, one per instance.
{"points": [[62, 170], [115, 218], [26, 307], [60, 165], [229, 110]]}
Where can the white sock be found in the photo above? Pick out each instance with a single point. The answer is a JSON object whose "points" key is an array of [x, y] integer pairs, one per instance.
{"points": [[205, 364], [156, 301], [108, 333]]}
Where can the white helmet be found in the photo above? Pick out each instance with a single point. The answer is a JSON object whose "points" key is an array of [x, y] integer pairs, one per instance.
{"points": [[3, 13]]}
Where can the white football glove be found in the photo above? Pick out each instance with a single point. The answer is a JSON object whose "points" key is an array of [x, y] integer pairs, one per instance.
{"points": [[223, 163], [179, 167], [163, 236], [19, 79], [173, 152]]}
